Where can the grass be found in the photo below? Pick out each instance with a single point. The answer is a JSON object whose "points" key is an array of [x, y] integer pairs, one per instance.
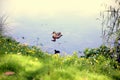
{"points": [[30, 63], [29, 68]]}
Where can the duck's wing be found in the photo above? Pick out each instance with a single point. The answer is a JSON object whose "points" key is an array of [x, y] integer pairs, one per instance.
{"points": [[59, 33]]}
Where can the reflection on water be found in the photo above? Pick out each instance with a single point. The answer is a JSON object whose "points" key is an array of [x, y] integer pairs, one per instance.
{"points": [[77, 35]]}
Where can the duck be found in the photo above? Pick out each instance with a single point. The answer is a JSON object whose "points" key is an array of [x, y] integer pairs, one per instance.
{"points": [[56, 35], [56, 52]]}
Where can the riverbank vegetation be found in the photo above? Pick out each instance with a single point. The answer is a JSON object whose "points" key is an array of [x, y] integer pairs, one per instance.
{"points": [[30, 63], [23, 62]]}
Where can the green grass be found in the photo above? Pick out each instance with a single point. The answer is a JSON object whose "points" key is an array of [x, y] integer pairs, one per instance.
{"points": [[30, 63], [29, 68]]}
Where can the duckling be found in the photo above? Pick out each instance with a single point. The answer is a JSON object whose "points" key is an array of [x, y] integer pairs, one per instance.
{"points": [[56, 35], [56, 52]]}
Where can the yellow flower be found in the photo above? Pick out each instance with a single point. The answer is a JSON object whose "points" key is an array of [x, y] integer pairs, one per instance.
{"points": [[36, 59], [82, 58], [19, 53], [68, 58], [55, 55], [31, 51], [96, 61]]}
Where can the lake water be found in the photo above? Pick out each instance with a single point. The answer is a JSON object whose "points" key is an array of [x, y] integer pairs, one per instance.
{"points": [[35, 20], [77, 34]]}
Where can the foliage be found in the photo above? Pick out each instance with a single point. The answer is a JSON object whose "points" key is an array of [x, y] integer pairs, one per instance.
{"points": [[110, 21], [102, 50], [9, 45], [111, 26], [107, 53], [30, 63]]}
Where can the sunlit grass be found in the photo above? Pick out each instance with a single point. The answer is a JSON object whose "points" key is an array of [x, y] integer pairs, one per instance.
{"points": [[29, 68], [30, 63]]}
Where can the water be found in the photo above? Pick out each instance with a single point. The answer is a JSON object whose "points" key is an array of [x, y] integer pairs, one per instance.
{"points": [[77, 34], [35, 20]]}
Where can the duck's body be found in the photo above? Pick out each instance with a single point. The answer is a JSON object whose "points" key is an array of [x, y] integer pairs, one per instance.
{"points": [[56, 52], [56, 35]]}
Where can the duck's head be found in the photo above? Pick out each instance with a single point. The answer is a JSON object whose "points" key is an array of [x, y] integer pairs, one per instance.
{"points": [[53, 32]]}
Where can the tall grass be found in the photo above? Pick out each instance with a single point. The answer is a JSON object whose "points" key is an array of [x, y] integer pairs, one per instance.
{"points": [[3, 23]]}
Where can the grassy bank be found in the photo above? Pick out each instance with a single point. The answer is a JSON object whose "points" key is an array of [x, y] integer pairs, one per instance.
{"points": [[30, 63]]}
